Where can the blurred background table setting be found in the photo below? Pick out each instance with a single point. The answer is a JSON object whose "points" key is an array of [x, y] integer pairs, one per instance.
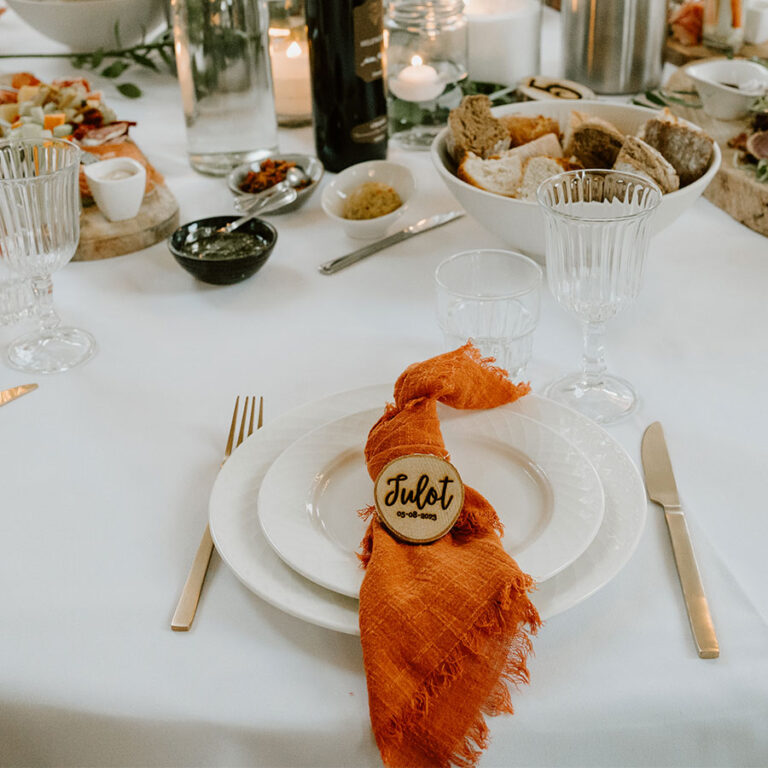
{"points": [[418, 185]]}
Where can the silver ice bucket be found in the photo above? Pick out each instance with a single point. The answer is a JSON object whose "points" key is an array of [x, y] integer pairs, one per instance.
{"points": [[614, 46]]}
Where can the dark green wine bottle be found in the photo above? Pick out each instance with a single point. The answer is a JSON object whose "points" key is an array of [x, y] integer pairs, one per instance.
{"points": [[348, 102]]}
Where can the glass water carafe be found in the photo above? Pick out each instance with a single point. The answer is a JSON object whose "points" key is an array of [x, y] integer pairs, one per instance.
{"points": [[222, 57]]}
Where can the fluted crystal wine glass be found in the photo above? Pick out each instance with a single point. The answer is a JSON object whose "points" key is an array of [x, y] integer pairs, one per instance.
{"points": [[597, 233], [39, 232]]}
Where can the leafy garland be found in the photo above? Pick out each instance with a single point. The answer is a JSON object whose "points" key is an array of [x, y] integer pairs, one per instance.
{"points": [[662, 97], [118, 60]]}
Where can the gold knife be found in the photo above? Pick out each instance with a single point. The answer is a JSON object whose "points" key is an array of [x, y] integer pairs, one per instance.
{"points": [[660, 482], [11, 394]]}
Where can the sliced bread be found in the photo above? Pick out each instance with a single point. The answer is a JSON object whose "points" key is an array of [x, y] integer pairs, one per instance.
{"points": [[548, 144], [500, 175], [474, 129], [525, 128], [575, 119], [688, 149], [538, 169], [595, 142], [638, 157]]}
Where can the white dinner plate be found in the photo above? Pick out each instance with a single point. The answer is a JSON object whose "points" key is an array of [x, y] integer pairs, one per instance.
{"points": [[547, 495], [240, 542]]}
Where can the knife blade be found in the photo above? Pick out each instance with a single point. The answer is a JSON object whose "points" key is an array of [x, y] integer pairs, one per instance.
{"points": [[662, 489], [432, 222], [11, 394]]}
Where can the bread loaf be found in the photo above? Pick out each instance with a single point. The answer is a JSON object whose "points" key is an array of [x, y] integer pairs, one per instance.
{"points": [[500, 175], [594, 142], [524, 128], [538, 169], [688, 149], [548, 144], [474, 129], [638, 157]]}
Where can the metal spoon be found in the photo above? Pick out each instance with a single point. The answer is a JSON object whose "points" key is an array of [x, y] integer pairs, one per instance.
{"points": [[295, 177], [277, 199]]}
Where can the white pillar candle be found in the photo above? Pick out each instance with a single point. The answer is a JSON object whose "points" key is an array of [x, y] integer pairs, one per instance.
{"points": [[417, 82], [503, 39], [290, 73]]}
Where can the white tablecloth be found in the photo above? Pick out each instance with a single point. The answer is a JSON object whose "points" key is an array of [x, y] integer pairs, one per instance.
{"points": [[105, 473]]}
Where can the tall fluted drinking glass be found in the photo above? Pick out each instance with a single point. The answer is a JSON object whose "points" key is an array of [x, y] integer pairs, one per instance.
{"points": [[39, 232], [597, 233]]}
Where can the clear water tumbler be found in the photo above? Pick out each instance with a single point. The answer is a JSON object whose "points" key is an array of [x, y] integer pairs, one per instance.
{"points": [[490, 297]]}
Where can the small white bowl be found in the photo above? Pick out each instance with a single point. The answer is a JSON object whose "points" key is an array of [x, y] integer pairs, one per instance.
{"points": [[335, 195], [119, 197], [728, 87]]}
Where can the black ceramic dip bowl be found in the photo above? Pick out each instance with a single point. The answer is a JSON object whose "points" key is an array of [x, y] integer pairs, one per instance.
{"points": [[222, 259]]}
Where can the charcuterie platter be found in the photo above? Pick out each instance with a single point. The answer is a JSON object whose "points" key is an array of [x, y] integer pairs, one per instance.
{"points": [[71, 109]]}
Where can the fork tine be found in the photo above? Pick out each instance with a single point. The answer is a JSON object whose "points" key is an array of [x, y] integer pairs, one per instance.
{"points": [[231, 439], [250, 423], [241, 435], [261, 413]]}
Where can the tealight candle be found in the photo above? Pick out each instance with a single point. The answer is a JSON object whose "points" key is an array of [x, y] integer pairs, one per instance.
{"points": [[417, 82]]}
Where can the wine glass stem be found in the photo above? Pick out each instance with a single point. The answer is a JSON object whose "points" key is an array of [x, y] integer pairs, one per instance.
{"points": [[593, 356], [46, 314]]}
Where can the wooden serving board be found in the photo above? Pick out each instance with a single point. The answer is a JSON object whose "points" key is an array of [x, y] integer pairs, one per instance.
{"points": [[679, 54], [736, 191], [158, 217]]}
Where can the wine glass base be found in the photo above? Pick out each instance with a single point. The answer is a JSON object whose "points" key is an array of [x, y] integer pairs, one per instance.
{"points": [[51, 351], [613, 399]]}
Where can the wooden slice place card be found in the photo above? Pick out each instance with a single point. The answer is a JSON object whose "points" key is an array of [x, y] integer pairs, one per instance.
{"points": [[418, 497], [538, 88]]}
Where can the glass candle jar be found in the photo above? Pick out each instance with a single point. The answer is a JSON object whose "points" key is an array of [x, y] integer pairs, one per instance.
{"points": [[289, 52], [426, 61]]}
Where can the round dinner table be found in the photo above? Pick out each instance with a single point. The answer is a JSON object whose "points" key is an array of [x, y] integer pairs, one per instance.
{"points": [[106, 473]]}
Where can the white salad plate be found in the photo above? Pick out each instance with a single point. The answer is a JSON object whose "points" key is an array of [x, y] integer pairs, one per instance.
{"points": [[244, 548], [546, 493]]}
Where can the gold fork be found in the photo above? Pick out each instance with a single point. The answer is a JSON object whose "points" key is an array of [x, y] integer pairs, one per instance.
{"points": [[193, 586]]}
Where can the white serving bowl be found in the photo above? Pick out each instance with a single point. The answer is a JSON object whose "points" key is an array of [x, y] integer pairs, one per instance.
{"points": [[520, 223], [86, 25], [746, 81], [335, 195]]}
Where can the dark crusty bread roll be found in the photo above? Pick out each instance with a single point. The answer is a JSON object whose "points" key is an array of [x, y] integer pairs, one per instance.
{"points": [[474, 129], [687, 149], [594, 142]]}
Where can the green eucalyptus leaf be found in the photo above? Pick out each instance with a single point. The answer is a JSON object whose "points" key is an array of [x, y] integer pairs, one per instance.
{"points": [[115, 69], [129, 90], [144, 60], [167, 58], [670, 99], [655, 98]]}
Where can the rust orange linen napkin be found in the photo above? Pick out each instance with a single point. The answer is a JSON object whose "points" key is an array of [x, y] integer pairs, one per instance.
{"points": [[446, 626]]}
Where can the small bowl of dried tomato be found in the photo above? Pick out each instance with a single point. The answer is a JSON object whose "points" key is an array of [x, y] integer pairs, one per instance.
{"points": [[260, 176]]}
